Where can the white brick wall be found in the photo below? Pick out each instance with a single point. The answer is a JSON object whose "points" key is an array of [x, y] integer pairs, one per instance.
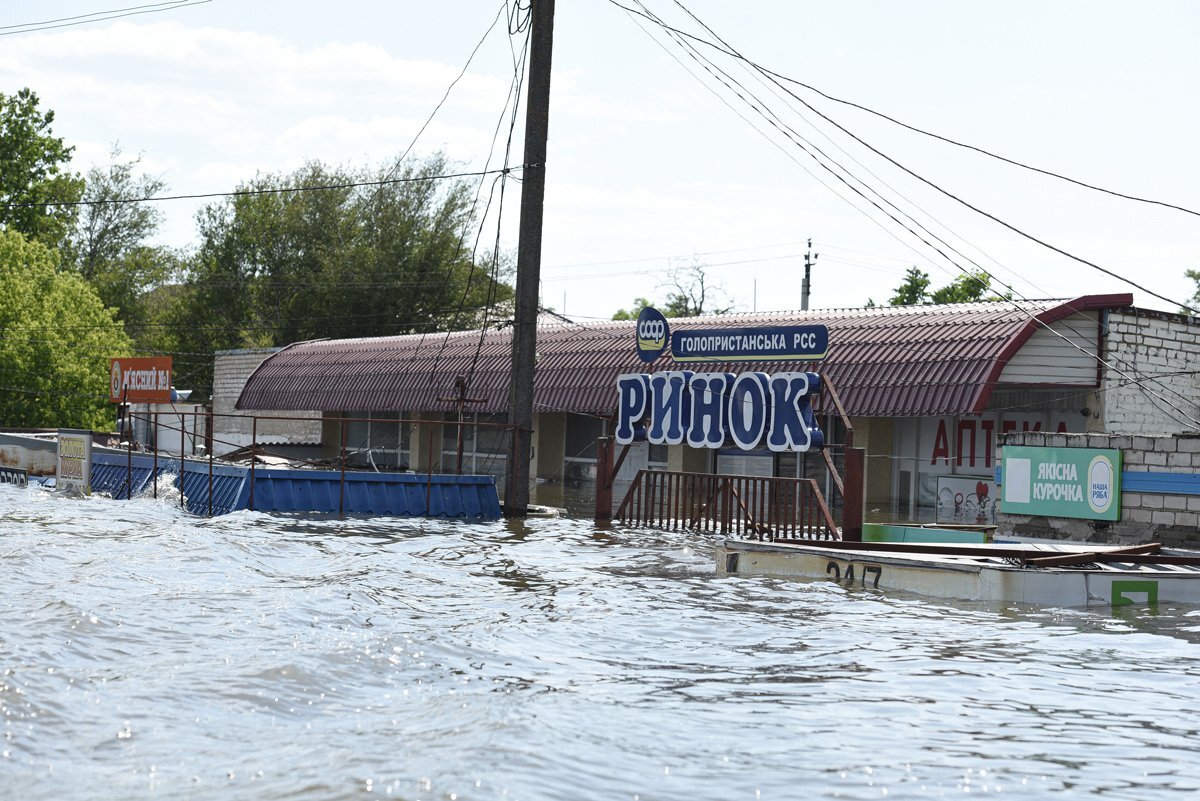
{"points": [[1161, 350], [1145, 516], [232, 427]]}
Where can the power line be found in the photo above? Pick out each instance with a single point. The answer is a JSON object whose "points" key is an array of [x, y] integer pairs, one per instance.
{"points": [[729, 50], [98, 16], [1154, 397], [726, 49], [780, 126], [409, 179]]}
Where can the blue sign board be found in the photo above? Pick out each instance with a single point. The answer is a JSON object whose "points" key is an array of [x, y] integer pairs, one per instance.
{"points": [[652, 334], [807, 343]]}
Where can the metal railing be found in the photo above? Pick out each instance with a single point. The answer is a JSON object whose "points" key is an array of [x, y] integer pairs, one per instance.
{"points": [[742, 506], [431, 462]]}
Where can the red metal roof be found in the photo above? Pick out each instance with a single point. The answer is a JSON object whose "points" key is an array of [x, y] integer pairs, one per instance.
{"points": [[887, 361]]}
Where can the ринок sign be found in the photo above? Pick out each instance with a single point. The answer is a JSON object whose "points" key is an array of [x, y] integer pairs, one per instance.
{"points": [[752, 409]]}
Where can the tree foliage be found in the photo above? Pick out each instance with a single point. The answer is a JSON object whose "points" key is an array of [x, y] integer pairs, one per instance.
{"points": [[633, 311], [277, 266], [109, 245], [33, 172], [914, 290], [56, 338], [1194, 275], [966, 288]]}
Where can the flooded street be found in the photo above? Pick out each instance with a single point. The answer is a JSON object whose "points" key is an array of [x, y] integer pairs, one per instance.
{"points": [[147, 653]]}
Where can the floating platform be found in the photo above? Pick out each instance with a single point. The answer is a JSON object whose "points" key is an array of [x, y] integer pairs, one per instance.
{"points": [[1050, 574]]}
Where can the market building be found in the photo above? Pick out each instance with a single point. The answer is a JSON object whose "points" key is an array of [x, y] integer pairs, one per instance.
{"points": [[928, 390]]}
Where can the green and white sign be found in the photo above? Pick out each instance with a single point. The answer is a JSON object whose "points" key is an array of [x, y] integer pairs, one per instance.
{"points": [[1062, 482]]}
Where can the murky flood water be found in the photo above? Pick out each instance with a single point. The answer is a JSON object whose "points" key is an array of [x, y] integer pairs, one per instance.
{"points": [[145, 653]]}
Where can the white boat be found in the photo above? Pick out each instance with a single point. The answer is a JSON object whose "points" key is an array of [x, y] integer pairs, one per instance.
{"points": [[1051, 574]]}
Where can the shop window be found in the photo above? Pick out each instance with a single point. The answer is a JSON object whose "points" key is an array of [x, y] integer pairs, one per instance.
{"points": [[581, 435], [376, 440], [484, 448]]}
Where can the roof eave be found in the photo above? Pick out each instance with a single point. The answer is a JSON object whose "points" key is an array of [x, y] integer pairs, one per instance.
{"points": [[1081, 304]]}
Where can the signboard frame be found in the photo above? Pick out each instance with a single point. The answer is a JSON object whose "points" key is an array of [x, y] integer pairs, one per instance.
{"points": [[799, 343], [140, 379], [1081, 483], [74, 460], [15, 476]]}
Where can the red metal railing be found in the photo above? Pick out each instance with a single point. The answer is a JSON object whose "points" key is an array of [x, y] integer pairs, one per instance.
{"points": [[742, 506]]}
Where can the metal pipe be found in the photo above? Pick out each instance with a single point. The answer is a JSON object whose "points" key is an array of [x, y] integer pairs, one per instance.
{"points": [[253, 448], [129, 462], [342, 488], [210, 478], [429, 466], [182, 459]]}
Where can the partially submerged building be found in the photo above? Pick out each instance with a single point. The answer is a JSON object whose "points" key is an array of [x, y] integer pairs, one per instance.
{"points": [[928, 390]]}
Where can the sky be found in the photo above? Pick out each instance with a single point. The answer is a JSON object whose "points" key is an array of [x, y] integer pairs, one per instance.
{"points": [[653, 164]]}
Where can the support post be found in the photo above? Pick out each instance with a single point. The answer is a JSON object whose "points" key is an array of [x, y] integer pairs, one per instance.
{"points": [[182, 459], [429, 464], [529, 256], [154, 474], [604, 484], [129, 462], [253, 448], [852, 497], [210, 471], [342, 487]]}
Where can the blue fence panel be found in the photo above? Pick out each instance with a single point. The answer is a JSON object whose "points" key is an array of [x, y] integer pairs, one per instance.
{"points": [[122, 477], [320, 491]]}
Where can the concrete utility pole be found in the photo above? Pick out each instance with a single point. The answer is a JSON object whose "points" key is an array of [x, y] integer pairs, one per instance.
{"points": [[810, 259], [529, 259]]}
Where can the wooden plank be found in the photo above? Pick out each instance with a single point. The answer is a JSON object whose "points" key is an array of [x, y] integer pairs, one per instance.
{"points": [[1107, 555]]}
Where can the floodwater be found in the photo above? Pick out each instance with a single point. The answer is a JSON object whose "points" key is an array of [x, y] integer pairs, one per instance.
{"points": [[145, 653]]}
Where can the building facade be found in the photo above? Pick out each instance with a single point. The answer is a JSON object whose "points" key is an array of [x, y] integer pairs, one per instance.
{"points": [[928, 390]]}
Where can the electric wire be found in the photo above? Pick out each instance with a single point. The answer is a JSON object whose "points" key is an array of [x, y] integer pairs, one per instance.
{"points": [[1157, 399], [729, 51], [949, 194], [281, 190], [98, 16]]}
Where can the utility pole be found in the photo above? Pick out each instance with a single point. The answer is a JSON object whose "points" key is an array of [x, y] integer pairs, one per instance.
{"points": [[529, 259], [810, 259]]}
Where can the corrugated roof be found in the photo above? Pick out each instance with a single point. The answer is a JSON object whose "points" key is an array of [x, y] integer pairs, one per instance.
{"points": [[887, 361]]}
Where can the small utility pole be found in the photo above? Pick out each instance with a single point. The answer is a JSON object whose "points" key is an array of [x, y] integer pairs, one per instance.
{"points": [[529, 259], [810, 259]]}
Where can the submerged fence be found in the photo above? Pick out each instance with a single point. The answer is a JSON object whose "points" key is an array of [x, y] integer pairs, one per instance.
{"points": [[326, 485], [741, 506]]}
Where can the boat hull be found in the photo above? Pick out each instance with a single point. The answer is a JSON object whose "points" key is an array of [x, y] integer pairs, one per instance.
{"points": [[969, 578]]}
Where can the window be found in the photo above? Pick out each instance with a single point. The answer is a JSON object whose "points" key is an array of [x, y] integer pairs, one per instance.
{"points": [[484, 447], [377, 440]]}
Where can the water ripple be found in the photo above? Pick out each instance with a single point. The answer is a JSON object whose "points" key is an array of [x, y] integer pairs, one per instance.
{"points": [[147, 653]]}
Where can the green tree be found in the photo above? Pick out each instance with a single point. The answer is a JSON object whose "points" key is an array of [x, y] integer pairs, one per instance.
{"points": [[276, 265], [1194, 275], [33, 172], [109, 245], [633, 311], [56, 338], [966, 288], [914, 290]]}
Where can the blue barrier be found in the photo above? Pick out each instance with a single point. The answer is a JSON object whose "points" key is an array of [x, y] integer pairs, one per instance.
{"points": [[321, 491]]}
